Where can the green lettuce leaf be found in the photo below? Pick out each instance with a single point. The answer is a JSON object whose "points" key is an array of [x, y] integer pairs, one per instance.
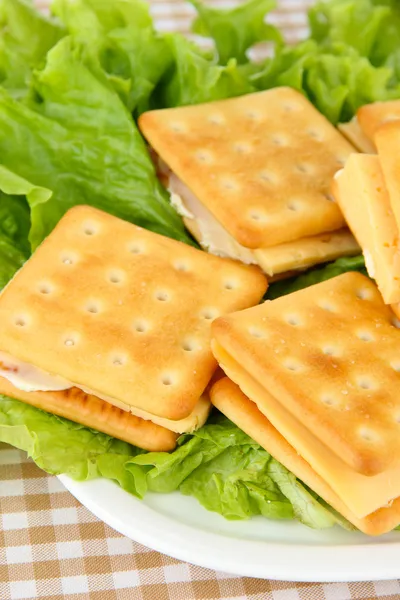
{"points": [[76, 138], [121, 45], [340, 266], [337, 79], [377, 23], [195, 78], [15, 223], [219, 465], [26, 37], [236, 30]]}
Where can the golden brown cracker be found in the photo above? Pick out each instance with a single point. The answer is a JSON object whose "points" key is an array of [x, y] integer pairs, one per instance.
{"points": [[123, 312], [88, 410], [261, 163], [329, 355]]}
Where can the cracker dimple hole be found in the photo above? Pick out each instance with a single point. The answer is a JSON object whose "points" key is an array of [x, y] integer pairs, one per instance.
{"points": [[326, 305], [189, 345], [136, 248], [45, 289], [279, 140], [181, 265], [292, 365], [330, 351], [115, 277], [230, 284], [253, 115], [255, 332], [162, 296], [69, 342], [364, 294], [177, 127], [67, 259], [294, 205], [89, 229], [303, 168], [257, 216], [92, 307], [229, 184], [140, 326], [242, 148], [365, 336], [315, 134], [368, 435], [20, 321], [216, 119], [328, 400], [204, 156], [268, 177], [365, 383], [209, 313], [118, 360], [293, 320], [167, 379]]}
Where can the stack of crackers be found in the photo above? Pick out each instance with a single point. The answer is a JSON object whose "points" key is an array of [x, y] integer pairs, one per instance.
{"points": [[122, 330], [367, 190]]}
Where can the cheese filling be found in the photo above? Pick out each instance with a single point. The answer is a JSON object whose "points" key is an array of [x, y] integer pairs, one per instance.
{"points": [[213, 237], [28, 378]]}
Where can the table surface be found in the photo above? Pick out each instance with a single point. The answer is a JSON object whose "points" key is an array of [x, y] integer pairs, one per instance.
{"points": [[52, 547]]}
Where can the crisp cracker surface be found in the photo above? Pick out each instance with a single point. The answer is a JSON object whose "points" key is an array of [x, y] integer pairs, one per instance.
{"points": [[330, 355], [372, 116], [261, 163], [229, 399], [123, 312], [75, 405]]}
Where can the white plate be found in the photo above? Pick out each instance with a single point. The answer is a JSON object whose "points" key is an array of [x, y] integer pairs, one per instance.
{"points": [[178, 526]]}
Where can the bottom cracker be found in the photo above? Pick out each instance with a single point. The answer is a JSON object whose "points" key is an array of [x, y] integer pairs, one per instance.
{"points": [[88, 410]]}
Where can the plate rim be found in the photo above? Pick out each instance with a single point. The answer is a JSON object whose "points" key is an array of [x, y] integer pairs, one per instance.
{"points": [[246, 558]]}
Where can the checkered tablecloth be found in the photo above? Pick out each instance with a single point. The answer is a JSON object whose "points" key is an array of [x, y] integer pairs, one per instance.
{"points": [[52, 547]]}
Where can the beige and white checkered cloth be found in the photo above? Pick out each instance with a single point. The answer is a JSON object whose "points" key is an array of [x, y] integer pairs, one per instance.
{"points": [[51, 547]]}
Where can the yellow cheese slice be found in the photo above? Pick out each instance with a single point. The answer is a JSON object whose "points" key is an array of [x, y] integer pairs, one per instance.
{"points": [[361, 193], [387, 140], [362, 494]]}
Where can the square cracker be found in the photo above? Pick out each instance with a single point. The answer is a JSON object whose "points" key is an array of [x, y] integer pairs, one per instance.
{"points": [[123, 312], [229, 399], [329, 354], [261, 163]]}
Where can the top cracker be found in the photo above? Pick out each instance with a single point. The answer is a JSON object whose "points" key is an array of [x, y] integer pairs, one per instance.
{"points": [[123, 312], [330, 355], [261, 163]]}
